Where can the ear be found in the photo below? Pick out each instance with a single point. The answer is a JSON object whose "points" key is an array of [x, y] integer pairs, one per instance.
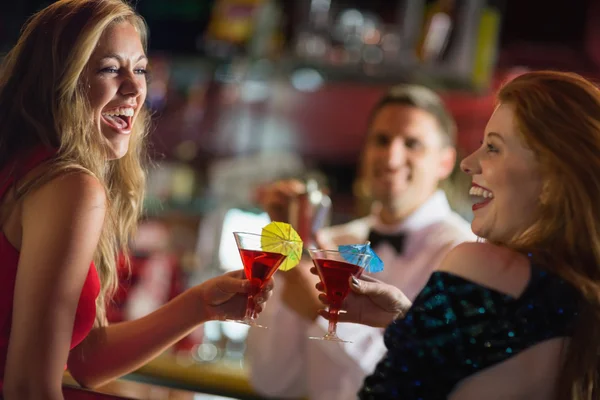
{"points": [[447, 162], [545, 193]]}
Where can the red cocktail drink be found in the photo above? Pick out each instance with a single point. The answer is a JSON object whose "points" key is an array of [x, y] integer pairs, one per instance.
{"points": [[259, 265], [335, 270], [335, 276]]}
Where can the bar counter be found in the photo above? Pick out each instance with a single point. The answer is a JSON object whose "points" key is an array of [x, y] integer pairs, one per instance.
{"points": [[177, 380], [122, 389]]}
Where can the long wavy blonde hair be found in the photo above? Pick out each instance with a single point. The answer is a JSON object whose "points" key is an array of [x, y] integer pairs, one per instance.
{"points": [[558, 116], [43, 101]]}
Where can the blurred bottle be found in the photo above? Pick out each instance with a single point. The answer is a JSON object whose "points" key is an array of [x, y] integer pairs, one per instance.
{"points": [[310, 211], [231, 26], [267, 36], [440, 21]]}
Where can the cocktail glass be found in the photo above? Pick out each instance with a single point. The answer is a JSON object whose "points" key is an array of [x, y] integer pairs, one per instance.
{"points": [[259, 266], [335, 269]]}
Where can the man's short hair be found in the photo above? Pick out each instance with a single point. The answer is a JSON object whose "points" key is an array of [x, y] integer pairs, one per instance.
{"points": [[422, 98]]}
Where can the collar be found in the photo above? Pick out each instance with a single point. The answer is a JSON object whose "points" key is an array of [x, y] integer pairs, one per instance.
{"points": [[435, 209]]}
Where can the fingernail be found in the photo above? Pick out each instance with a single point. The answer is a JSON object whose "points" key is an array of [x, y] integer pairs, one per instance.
{"points": [[355, 282]]}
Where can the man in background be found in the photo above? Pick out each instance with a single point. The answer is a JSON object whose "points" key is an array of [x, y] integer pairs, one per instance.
{"points": [[409, 150]]}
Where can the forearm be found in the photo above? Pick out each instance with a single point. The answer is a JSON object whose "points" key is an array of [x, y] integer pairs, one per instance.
{"points": [[30, 391], [277, 356], [366, 349], [115, 350], [300, 295]]}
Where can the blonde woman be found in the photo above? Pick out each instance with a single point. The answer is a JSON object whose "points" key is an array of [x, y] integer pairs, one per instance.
{"points": [[516, 317], [72, 128]]}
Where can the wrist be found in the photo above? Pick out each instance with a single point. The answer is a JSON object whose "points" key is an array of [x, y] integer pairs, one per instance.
{"points": [[402, 310], [198, 306]]}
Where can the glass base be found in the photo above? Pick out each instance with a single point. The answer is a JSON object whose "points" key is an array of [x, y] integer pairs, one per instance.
{"points": [[330, 337], [249, 322]]}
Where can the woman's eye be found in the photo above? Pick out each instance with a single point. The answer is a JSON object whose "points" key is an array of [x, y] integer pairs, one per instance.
{"points": [[491, 148], [109, 70]]}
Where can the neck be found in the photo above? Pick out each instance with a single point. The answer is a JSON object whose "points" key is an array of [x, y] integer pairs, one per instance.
{"points": [[394, 213], [390, 215]]}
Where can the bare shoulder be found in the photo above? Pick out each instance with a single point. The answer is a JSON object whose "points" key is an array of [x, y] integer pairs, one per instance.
{"points": [[71, 190], [76, 201], [489, 265]]}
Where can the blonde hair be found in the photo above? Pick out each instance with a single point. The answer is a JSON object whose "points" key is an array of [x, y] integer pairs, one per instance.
{"points": [[43, 101], [558, 116]]}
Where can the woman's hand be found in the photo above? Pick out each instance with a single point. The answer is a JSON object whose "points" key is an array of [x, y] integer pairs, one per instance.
{"points": [[370, 302], [225, 296]]}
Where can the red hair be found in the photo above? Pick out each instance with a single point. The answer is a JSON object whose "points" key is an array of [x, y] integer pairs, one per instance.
{"points": [[558, 117]]}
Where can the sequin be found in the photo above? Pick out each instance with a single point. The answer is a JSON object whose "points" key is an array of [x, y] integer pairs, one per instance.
{"points": [[457, 328]]}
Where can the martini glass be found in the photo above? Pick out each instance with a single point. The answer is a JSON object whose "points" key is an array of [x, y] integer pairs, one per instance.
{"points": [[335, 269], [259, 266]]}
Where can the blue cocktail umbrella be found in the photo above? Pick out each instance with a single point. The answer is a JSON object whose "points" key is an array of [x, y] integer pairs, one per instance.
{"points": [[347, 251]]}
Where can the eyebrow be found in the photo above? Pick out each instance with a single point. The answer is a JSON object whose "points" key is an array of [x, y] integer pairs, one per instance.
{"points": [[496, 134], [121, 59]]}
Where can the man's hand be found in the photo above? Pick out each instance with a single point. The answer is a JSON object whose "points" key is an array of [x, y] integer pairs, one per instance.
{"points": [[275, 198]]}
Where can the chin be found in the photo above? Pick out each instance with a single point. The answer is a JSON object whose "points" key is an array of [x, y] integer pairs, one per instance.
{"points": [[119, 151], [479, 230], [388, 194]]}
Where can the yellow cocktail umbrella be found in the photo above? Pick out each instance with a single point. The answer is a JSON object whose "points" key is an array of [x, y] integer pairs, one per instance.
{"points": [[281, 238]]}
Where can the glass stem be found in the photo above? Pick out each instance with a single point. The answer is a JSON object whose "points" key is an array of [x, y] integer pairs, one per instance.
{"points": [[333, 319], [250, 308]]}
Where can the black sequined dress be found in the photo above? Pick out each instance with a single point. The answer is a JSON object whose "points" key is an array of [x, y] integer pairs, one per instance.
{"points": [[456, 328]]}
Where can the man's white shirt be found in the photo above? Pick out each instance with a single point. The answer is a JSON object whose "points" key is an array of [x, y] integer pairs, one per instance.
{"points": [[284, 363]]}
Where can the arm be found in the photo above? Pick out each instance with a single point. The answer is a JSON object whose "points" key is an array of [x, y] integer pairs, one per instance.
{"points": [[298, 292], [61, 224], [277, 355], [111, 351]]}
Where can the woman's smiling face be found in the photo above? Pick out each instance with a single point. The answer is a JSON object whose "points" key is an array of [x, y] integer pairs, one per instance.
{"points": [[506, 180]]}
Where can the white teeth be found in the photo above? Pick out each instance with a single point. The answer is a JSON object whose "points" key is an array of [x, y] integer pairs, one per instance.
{"points": [[123, 111], [477, 191]]}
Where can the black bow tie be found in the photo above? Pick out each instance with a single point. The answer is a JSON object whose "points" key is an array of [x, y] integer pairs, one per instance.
{"points": [[396, 240]]}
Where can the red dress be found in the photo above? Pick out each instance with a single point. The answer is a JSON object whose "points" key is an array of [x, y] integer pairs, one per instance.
{"points": [[9, 260]]}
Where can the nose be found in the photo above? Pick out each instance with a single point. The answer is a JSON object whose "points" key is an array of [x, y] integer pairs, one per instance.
{"points": [[132, 86], [470, 164], [396, 153]]}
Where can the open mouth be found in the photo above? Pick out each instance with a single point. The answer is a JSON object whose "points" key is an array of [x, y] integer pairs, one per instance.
{"points": [[483, 196], [119, 119]]}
